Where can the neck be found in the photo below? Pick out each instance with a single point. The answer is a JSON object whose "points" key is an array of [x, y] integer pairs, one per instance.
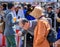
{"points": [[11, 9], [40, 17]]}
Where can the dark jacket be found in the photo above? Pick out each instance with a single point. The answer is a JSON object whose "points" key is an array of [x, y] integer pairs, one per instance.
{"points": [[51, 15]]}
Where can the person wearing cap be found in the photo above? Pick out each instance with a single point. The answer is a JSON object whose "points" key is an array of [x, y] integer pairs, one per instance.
{"points": [[41, 29]]}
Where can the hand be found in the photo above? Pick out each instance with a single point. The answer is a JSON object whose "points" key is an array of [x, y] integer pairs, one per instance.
{"points": [[14, 19], [20, 22]]}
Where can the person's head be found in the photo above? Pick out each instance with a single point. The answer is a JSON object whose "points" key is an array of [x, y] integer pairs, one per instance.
{"points": [[1, 7], [11, 6], [4, 6], [17, 7], [25, 7], [49, 8], [29, 5], [58, 10], [37, 12], [24, 23]]}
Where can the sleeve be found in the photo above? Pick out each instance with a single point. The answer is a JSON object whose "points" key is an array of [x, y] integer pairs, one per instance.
{"points": [[41, 33], [33, 22], [23, 31], [10, 22], [30, 23]]}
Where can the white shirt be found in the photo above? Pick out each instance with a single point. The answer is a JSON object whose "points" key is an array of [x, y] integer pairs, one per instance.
{"points": [[19, 14]]}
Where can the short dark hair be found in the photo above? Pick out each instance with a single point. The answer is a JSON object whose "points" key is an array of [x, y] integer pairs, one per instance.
{"points": [[10, 5], [50, 7], [24, 21]]}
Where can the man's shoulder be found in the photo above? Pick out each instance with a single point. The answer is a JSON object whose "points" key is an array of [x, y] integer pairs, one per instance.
{"points": [[7, 11], [9, 15]]}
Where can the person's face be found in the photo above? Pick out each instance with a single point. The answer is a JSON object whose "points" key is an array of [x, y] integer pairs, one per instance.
{"points": [[57, 10], [25, 7], [16, 9], [13, 8], [1, 8], [49, 9], [20, 8], [26, 26]]}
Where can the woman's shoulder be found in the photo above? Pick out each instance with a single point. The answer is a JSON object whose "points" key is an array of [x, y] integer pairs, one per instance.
{"points": [[44, 21]]}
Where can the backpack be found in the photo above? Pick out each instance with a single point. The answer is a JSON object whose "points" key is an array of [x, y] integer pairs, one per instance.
{"points": [[52, 36]]}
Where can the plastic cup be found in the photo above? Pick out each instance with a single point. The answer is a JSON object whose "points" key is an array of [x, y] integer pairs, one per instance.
{"points": [[14, 19]]}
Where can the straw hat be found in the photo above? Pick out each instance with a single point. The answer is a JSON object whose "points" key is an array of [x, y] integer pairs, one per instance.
{"points": [[37, 12]]}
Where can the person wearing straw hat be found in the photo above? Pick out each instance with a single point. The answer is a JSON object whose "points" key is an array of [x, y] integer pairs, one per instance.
{"points": [[41, 29]]}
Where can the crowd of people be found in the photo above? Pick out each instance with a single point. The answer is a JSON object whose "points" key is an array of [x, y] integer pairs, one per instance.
{"points": [[20, 19]]}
